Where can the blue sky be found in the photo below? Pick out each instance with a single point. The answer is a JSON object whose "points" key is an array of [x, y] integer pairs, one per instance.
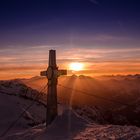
{"points": [[107, 30]]}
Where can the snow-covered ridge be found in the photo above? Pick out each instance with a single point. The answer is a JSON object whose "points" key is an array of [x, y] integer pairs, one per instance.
{"points": [[78, 123], [17, 88], [15, 97]]}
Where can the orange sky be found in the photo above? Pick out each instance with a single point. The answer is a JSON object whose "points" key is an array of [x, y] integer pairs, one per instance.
{"points": [[103, 35], [29, 62]]}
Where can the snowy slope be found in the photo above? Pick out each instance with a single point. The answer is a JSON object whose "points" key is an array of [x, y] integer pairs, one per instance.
{"points": [[109, 132], [13, 103], [11, 107], [70, 124], [18, 88]]}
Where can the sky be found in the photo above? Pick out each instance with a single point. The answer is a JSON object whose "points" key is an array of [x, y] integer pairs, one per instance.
{"points": [[102, 34]]}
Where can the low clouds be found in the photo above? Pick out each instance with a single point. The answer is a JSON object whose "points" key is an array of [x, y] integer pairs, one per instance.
{"points": [[30, 61]]}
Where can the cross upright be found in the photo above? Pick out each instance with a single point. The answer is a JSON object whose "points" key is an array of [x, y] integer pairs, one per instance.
{"points": [[52, 73]]}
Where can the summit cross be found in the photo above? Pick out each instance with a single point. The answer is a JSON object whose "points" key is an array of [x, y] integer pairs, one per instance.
{"points": [[52, 73]]}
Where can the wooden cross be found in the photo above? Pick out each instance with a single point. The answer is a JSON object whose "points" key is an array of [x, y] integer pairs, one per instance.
{"points": [[52, 75]]}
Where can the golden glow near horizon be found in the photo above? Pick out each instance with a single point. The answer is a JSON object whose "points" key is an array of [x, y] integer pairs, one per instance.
{"points": [[92, 62], [76, 66]]}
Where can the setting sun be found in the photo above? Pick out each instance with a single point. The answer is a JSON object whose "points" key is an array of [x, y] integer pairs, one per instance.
{"points": [[76, 66]]}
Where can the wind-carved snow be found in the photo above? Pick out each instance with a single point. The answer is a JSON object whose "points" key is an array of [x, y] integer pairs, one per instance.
{"points": [[109, 132]]}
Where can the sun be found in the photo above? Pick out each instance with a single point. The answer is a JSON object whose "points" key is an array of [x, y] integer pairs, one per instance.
{"points": [[76, 66]]}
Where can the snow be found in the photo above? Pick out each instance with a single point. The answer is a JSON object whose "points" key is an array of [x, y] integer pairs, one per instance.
{"points": [[12, 105], [67, 126], [109, 132]]}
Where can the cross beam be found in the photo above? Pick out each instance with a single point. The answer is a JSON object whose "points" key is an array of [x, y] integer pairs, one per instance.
{"points": [[52, 73]]}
